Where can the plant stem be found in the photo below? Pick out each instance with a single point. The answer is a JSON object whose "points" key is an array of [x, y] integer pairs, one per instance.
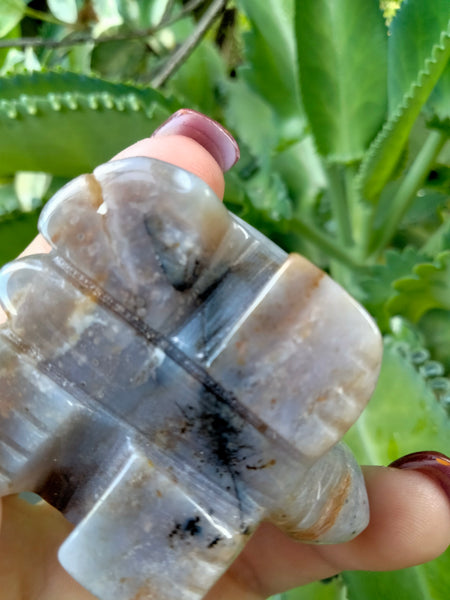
{"points": [[352, 195], [407, 191], [324, 242], [366, 218], [339, 204], [43, 16], [181, 53]]}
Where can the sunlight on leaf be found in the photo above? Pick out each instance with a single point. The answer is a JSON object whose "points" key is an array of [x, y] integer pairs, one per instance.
{"points": [[64, 10], [11, 12], [30, 188]]}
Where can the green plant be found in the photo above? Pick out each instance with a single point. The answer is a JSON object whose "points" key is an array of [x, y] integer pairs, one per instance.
{"points": [[344, 129]]}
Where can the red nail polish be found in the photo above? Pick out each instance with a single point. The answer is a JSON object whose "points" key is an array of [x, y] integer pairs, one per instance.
{"points": [[207, 132], [434, 464]]}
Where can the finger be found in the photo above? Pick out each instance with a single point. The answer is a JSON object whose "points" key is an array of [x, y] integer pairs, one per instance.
{"points": [[188, 140], [409, 525]]}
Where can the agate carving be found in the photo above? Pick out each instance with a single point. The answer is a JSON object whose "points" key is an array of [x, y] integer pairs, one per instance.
{"points": [[170, 378]]}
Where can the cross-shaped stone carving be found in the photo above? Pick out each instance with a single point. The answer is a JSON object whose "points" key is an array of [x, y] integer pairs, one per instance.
{"points": [[169, 378]]}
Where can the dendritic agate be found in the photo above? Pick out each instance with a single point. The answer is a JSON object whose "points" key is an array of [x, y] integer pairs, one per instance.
{"points": [[169, 378]]}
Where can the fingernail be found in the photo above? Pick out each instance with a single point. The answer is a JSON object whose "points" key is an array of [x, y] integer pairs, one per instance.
{"points": [[434, 464], [207, 132]]}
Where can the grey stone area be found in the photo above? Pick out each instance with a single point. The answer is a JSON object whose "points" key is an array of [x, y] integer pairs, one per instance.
{"points": [[169, 378]]}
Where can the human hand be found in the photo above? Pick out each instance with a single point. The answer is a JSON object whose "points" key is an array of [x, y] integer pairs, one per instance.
{"points": [[410, 512]]}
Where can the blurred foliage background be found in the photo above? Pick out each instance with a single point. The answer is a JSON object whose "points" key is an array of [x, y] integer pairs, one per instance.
{"points": [[342, 112]]}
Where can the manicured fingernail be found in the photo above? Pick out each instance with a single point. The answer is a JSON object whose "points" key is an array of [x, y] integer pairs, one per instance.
{"points": [[207, 132], [434, 464]]}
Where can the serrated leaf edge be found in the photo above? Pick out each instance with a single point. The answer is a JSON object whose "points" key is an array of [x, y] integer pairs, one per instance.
{"points": [[435, 265], [46, 100], [363, 180]]}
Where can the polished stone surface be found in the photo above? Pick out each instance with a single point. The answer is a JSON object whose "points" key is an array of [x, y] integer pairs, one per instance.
{"points": [[169, 378]]}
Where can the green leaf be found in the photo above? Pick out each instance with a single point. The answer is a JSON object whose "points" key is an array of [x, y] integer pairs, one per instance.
{"points": [[435, 327], [201, 79], [438, 105], [427, 288], [385, 152], [66, 124], [9, 202], [426, 582], [64, 10], [268, 195], [111, 59], [415, 30], [301, 170], [270, 65], [11, 12], [378, 287], [16, 233], [245, 111], [342, 46]]}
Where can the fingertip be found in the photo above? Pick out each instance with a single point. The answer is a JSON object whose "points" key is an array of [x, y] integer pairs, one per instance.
{"points": [[38, 246], [183, 152], [409, 523]]}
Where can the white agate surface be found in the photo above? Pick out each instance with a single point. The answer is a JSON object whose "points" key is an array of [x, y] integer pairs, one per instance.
{"points": [[170, 378]]}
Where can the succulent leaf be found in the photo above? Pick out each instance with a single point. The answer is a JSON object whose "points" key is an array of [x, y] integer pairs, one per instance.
{"points": [[407, 99], [344, 99], [66, 124]]}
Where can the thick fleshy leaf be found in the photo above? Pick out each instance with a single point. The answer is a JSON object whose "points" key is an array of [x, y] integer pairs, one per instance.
{"points": [[342, 47], [270, 67], [438, 105], [245, 111], [408, 97], [415, 30], [66, 124], [11, 12], [16, 233], [426, 582]]}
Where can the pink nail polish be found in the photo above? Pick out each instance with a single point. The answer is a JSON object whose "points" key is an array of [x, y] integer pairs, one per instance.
{"points": [[207, 132], [434, 464]]}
